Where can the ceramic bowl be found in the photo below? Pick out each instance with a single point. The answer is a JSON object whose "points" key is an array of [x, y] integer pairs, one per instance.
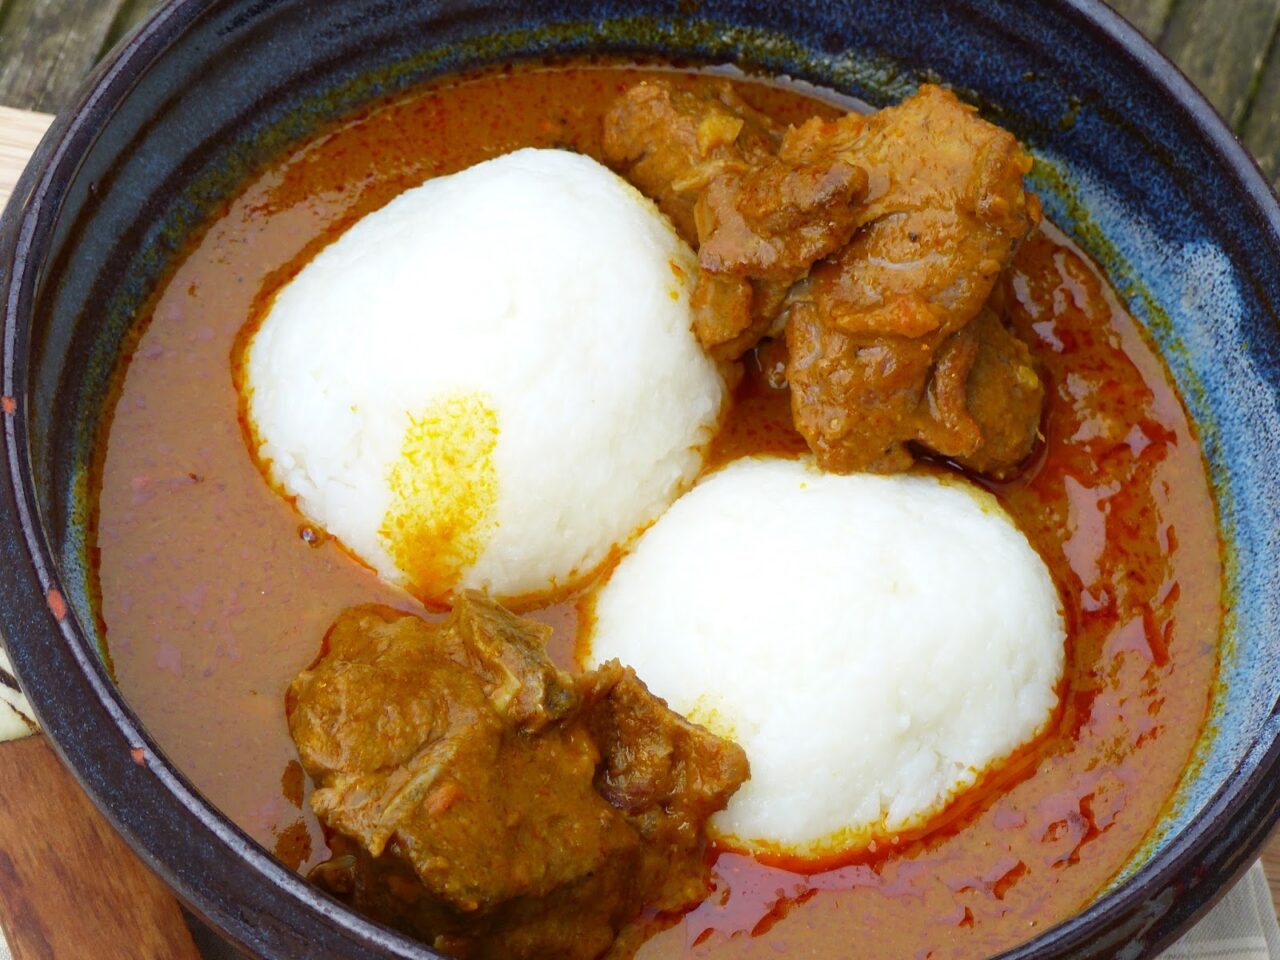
{"points": [[1134, 164]]}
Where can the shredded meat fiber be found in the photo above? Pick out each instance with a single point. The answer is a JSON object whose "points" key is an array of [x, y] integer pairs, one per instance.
{"points": [[483, 800], [874, 243]]}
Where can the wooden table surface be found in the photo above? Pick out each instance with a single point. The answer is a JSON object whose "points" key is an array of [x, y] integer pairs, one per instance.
{"points": [[1227, 47]]}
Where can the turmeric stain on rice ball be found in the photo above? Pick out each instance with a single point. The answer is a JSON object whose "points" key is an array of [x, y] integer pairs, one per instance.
{"points": [[444, 489]]}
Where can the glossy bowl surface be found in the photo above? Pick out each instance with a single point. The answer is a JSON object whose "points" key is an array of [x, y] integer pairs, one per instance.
{"points": [[1131, 161]]}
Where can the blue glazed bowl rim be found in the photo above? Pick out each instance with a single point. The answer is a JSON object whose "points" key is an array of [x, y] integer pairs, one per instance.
{"points": [[244, 891]]}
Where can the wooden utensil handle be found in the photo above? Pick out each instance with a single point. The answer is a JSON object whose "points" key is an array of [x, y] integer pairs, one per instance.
{"points": [[69, 886]]}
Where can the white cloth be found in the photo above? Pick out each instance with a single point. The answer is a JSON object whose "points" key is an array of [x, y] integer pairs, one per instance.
{"points": [[17, 719], [1241, 927]]}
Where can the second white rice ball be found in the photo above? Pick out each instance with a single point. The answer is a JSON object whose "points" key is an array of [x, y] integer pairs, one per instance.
{"points": [[873, 643]]}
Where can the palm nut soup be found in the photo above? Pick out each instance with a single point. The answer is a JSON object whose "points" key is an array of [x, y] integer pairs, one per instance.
{"points": [[869, 308]]}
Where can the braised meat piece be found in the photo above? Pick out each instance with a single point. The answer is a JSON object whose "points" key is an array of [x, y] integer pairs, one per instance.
{"points": [[758, 220], [485, 801], [670, 144], [944, 216], [945, 211], [665, 774], [985, 398], [876, 241], [975, 397], [774, 220], [852, 398], [733, 314]]}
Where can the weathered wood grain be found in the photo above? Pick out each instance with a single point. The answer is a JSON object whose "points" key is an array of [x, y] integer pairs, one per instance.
{"points": [[20, 131], [1221, 47], [1149, 16], [69, 887], [46, 48], [1261, 131], [131, 13], [1261, 127]]}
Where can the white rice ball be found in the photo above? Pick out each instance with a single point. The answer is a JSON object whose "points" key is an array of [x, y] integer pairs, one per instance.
{"points": [[873, 643], [491, 381]]}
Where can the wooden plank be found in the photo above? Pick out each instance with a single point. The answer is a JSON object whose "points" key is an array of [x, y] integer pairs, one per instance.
{"points": [[20, 131], [132, 13], [1261, 127], [1149, 16], [47, 47], [69, 886], [1221, 47]]}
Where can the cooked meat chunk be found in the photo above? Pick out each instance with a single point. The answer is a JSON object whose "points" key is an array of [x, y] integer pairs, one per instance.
{"points": [[876, 241], [482, 799], [985, 397], [759, 220], [662, 771], [944, 215], [774, 221], [732, 314], [851, 398], [860, 402], [670, 144]]}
